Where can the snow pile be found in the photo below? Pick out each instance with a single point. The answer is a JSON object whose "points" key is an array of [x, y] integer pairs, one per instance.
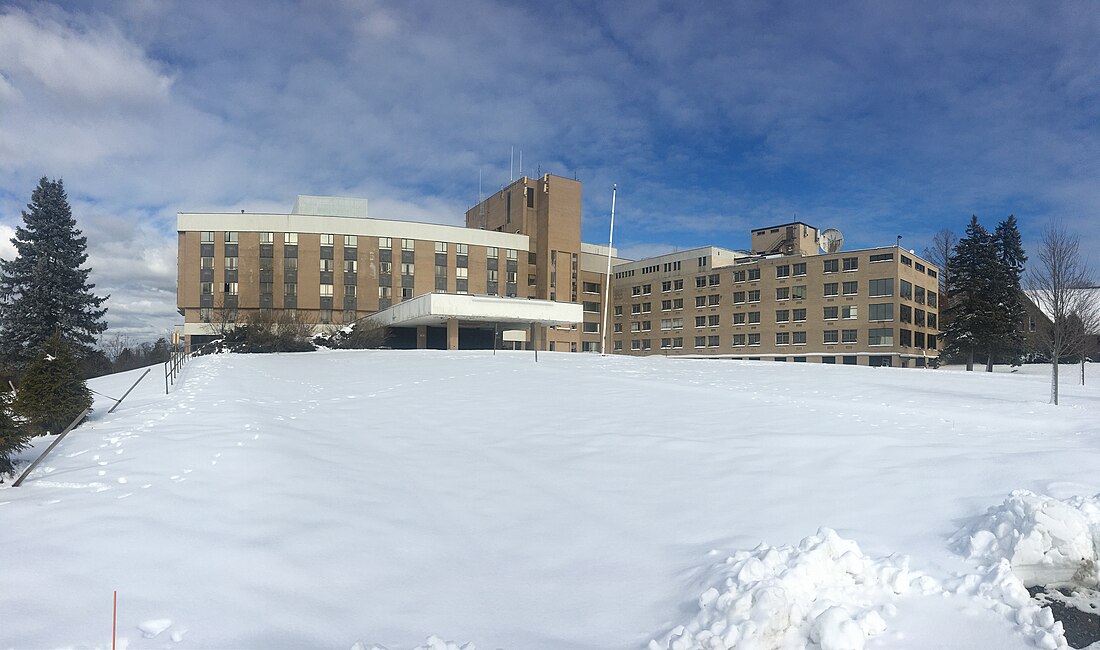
{"points": [[433, 643], [1045, 540], [824, 592], [1030, 540]]}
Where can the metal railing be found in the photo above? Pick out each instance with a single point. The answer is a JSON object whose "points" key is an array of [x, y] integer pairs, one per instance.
{"points": [[174, 364]]}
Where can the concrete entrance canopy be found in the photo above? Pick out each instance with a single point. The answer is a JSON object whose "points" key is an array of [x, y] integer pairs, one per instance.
{"points": [[449, 310]]}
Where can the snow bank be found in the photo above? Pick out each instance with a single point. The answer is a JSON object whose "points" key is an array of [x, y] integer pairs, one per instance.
{"points": [[824, 592], [1045, 540], [433, 643], [1029, 540]]}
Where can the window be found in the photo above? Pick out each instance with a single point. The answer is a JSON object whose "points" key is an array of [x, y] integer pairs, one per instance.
{"points": [[832, 336], [618, 310], [385, 243], [700, 321], [351, 241], [326, 266], [754, 339], [636, 308], [918, 339], [851, 263], [700, 301], [713, 279], [884, 257], [591, 287], [700, 341], [646, 307], [714, 299], [635, 345], [666, 323], [713, 341], [879, 288], [849, 312], [462, 249], [385, 293], [931, 320], [738, 340], [782, 316], [351, 266], [905, 314], [647, 289], [798, 292], [738, 297], [754, 295], [326, 240], [462, 273], [783, 271], [207, 263], [880, 311], [920, 267], [326, 290], [206, 314], [782, 293], [918, 317], [739, 318], [754, 318], [231, 264], [738, 276], [798, 338], [799, 315], [206, 288], [231, 237], [754, 274], [782, 338], [592, 328], [848, 336], [851, 288], [831, 313], [618, 327], [636, 291], [408, 269], [678, 303], [905, 337], [906, 261], [635, 326], [441, 247], [666, 285], [700, 281], [267, 238], [832, 288], [831, 266], [666, 305], [618, 345], [230, 288], [592, 307], [932, 298], [408, 244], [880, 336], [677, 341], [206, 237], [713, 320], [291, 239], [799, 268], [905, 289], [666, 343], [491, 252]]}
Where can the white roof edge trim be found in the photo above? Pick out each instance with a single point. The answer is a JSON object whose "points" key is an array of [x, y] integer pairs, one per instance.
{"points": [[367, 227]]}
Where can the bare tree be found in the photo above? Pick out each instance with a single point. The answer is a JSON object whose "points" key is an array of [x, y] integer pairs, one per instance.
{"points": [[113, 345], [943, 246], [1058, 283]]}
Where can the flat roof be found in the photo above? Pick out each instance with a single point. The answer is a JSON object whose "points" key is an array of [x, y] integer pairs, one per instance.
{"points": [[435, 309]]}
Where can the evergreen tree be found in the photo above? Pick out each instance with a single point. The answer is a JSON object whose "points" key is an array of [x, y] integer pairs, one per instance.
{"points": [[972, 296], [44, 289], [1007, 338], [12, 438], [52, 391]]}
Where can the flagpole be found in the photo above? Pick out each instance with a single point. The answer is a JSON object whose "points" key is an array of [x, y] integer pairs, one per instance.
{"points": [[607, 283]]}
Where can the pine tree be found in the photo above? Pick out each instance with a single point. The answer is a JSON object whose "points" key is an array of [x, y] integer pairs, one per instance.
{"points": [[1007, 339], [972, 299], [12, 438], [44, 288], [52, 391]]}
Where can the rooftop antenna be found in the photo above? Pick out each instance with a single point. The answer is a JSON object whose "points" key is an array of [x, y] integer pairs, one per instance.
{"points": [[512, 165], [521, 163], [607, 282]]}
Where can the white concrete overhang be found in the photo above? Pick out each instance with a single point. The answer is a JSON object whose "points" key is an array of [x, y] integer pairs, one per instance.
{"points": [[435, 309]]}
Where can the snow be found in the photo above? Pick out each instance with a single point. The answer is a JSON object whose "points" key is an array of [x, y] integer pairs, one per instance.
{"points": [[377, 498]]}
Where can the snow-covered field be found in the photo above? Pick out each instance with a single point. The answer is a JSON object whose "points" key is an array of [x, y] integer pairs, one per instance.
{"points": [[332, 499]]}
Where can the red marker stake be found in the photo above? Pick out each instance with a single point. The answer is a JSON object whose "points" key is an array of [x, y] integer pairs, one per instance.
{"points": [[114, 621]]}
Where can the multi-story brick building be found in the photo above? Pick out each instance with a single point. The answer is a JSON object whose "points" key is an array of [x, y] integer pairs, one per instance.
{"points": [[519, 263]]}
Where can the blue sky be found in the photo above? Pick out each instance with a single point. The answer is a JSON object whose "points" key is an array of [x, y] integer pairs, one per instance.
{"points": [[878, 119]]}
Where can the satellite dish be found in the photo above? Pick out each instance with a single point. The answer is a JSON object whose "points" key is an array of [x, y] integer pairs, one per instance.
{"points": [[830, 241]]}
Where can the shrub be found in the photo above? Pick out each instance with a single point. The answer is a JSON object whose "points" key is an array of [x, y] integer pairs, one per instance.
{"points": [[52, 391], [361, 335], [12, 438]]}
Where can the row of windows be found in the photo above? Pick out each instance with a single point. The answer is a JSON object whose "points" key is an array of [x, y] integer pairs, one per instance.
{"points": [[352, 241], [876, 337]]}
